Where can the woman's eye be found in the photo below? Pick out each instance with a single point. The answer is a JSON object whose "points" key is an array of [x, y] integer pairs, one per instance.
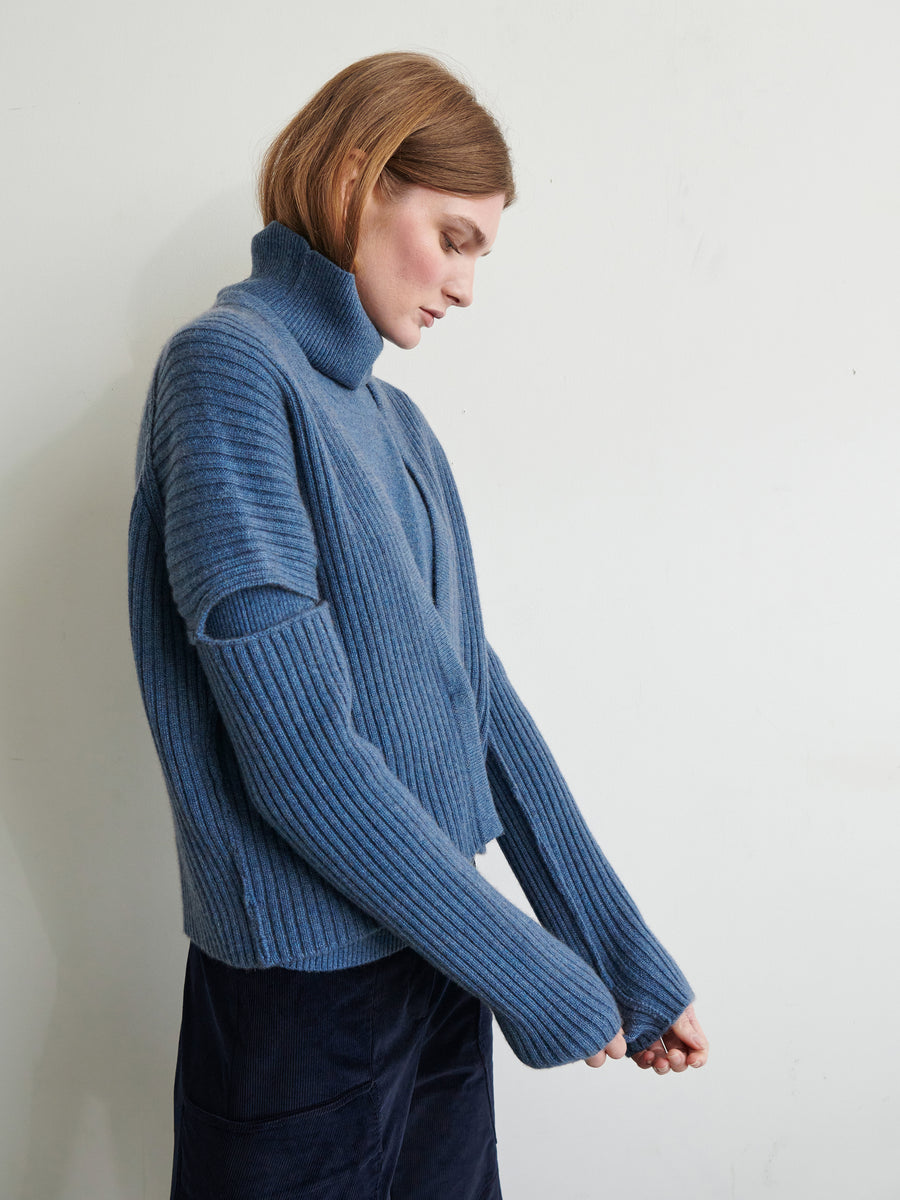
{"points": [[448, 245]]}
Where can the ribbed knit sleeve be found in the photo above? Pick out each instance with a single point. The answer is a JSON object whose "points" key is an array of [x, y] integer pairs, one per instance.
{"points": [[236, 523], [224, 461], [285, 696], [565, 876]]}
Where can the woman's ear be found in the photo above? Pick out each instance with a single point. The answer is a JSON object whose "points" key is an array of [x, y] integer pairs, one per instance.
{"points": [[349, 173]]}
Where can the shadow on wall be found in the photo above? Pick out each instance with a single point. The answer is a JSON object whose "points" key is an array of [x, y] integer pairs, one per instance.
{"points": [[84, 804]]}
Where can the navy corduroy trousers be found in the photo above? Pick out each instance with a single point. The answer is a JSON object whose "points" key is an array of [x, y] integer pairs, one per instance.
{"points": [[373, 1082]]}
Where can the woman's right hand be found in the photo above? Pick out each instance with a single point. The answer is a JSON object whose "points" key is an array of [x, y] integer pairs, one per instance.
{"points": [[614, 1049]]}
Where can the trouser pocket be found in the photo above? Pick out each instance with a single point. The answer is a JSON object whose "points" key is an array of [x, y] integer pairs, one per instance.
{"points": [[327, 1152]]}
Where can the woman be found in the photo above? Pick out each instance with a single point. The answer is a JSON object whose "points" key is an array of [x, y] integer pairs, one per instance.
{"points": [[338, 738]]}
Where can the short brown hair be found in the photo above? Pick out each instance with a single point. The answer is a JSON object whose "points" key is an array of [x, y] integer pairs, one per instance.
{"points": [[411, 121]]}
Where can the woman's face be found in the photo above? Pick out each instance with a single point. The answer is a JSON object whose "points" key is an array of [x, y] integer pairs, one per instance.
{"points": [[416, 257]]}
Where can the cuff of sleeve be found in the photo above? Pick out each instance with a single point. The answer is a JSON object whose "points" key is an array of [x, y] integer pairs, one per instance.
{"points": [[645, 1028], [253, 609]]}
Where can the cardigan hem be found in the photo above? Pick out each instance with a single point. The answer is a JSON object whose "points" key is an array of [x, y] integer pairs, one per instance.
{"points": [[379, 944]]}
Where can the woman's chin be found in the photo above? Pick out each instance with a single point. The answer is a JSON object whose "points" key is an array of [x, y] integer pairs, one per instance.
{"points": [[405, 339]]}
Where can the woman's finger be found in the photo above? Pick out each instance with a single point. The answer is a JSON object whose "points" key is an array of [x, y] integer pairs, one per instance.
{"points": [[618, 1047], [677, 1060], [596, 1060], [613, 1049]]}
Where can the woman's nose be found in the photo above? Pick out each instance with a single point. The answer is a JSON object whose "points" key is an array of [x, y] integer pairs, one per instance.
{"points": [[459, 290]]}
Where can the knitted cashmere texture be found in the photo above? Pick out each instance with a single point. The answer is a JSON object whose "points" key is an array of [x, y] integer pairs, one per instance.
{"points": [[337, 737]]}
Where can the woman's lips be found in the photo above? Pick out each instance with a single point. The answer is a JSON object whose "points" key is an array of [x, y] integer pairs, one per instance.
{"points": [[431, 314]]}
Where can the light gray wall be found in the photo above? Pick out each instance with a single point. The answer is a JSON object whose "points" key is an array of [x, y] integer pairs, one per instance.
{"points": [[673, 415]]}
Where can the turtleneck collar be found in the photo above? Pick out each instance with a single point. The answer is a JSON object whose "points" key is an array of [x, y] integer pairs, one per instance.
{"points": [[317, 301]]}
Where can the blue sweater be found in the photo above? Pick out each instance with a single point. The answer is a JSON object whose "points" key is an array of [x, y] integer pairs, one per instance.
{"points": [[338, 738]]}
